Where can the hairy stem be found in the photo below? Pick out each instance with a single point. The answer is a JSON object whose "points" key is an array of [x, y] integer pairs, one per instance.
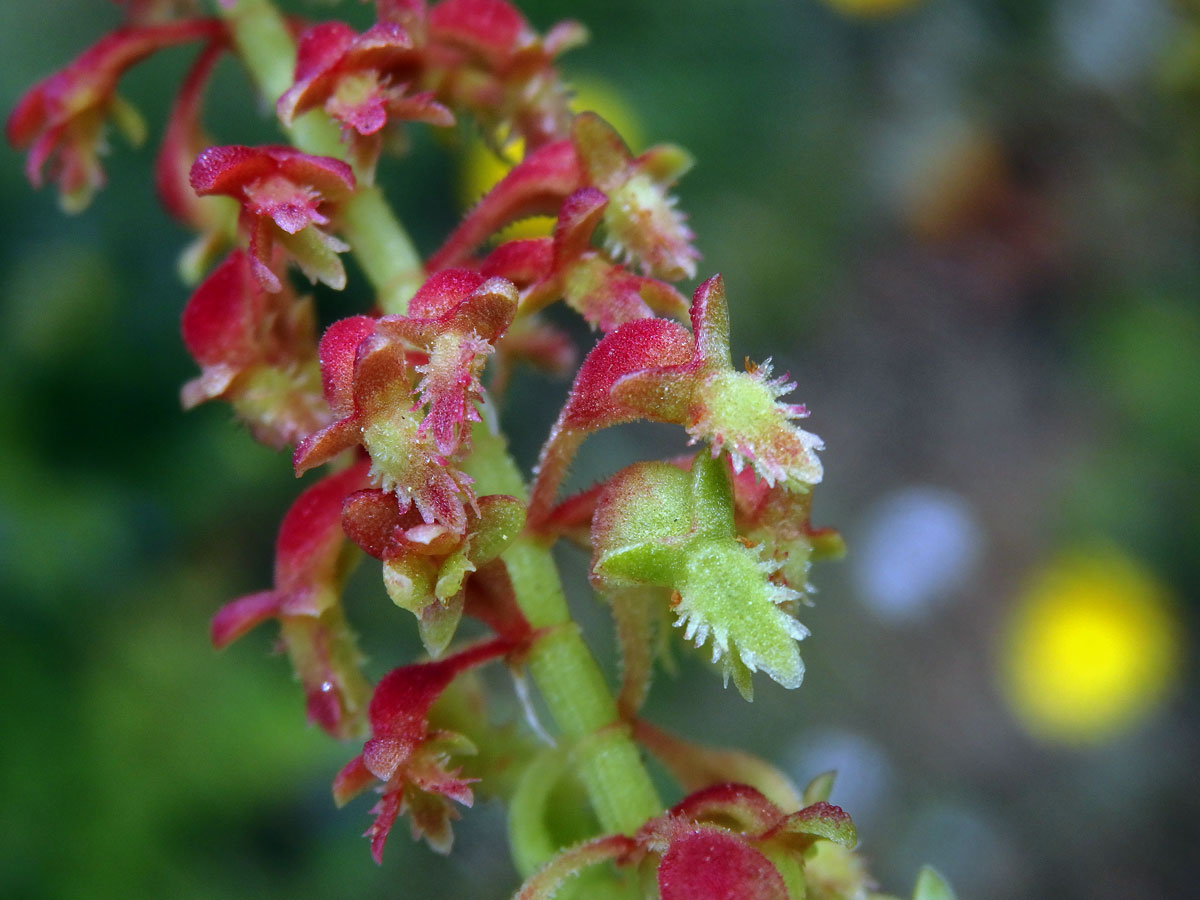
{"points": [[571, 682]]}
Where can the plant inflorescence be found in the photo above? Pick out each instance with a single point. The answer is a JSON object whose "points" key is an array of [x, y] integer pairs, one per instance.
{"points": [[397, 407]]}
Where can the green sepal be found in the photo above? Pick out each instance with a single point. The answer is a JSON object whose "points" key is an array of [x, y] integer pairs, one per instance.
{"points": [[408, 581], [500, 520], [821, 820], [317, 255], [932, 886], [437, 622], [726, 595], [819, 789], [658, 525]]}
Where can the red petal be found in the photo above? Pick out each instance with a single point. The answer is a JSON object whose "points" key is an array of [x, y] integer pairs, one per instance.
{"points": [[709, 864], [352, 780], [442, 292], [385, 812], [338, 352], [536, 186], [229, 170], [401, 702], [321, 446], [238, 616], [492, 28], [219, 320], [522, 262], [631, 348], [723, 803], [310, 535], [371, 519]]}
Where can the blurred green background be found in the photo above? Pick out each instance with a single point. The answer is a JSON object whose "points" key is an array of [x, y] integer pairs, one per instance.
{"points": [[968, 230]]}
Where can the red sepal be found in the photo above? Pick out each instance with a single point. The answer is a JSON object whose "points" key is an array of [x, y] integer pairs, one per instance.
{"points": [[305, 599], [410, 757], [536, 186], [256, 350], [61, 119], [631, 348], [283, 192], [707, 863]]}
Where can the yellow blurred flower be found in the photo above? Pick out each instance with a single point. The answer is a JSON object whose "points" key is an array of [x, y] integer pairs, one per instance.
{"points": [[870, 9], [1090, 647], [481, 168]]}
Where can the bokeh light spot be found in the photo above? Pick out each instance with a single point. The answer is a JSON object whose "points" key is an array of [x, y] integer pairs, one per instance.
{"points": [[1090, 647], [917, 549]]}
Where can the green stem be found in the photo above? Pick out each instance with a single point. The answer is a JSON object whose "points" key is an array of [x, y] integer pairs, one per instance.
{"points": [[563, 668]]}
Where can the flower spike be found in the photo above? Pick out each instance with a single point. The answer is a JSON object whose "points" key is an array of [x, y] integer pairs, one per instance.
{"points": [[284, 195]]}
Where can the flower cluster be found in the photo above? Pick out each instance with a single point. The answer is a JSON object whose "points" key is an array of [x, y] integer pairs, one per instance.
{"points": [[398, 405]]}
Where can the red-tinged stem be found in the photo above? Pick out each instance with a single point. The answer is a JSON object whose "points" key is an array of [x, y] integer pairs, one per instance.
{"points": [[544, 884], [183, 128]]}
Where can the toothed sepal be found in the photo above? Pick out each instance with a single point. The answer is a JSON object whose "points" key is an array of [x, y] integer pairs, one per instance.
{"points": [[411, 758], [685, 541], [285, 196]]}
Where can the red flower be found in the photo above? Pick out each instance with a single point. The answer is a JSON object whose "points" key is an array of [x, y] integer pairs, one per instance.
{"points": [[62, 118], [285, 195], [258, 351], [426, 565], [309, 569], [653, 369], [483, 57], [369, 367], [716, 844], [604, 293], [409, 756], [630, 198], [362, 81]]}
